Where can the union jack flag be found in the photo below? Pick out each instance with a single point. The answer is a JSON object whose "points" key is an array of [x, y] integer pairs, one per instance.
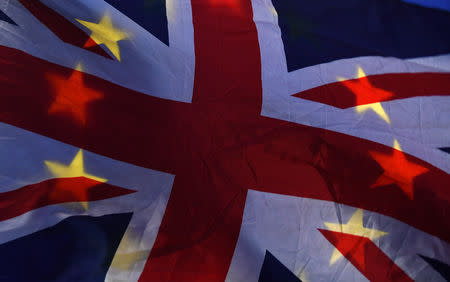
{"points": [[236, 140]]}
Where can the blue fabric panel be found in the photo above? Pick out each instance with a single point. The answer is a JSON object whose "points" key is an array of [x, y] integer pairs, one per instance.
{"points": [[5, 18], [438, 4], [79, 248], [273, 271], [315, 32], [149, 14], [439, 266]]}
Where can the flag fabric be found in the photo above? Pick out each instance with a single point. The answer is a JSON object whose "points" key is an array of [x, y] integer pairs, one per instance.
{"points": [[224, 140]]}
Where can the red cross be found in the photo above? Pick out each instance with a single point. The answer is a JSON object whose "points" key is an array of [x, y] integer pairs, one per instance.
{"points": [[218, 146]]}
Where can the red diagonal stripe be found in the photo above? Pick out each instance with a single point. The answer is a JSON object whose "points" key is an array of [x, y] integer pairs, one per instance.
{"points": [[55, 191], [366, 257], [347, 94], [61, 27]]}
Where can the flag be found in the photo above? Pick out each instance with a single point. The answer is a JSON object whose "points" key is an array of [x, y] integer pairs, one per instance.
{"points": [[224, 140]]}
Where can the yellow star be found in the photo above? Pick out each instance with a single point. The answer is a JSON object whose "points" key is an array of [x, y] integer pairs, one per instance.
{"points": [[302, 276], [75, 169], [363, 89], [105, 33], [129, 253], [354, 227], [126, 261], [377, 108]]}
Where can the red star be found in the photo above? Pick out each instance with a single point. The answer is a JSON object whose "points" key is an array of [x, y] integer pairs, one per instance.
{"points": [[71, 96], [398, 170]]}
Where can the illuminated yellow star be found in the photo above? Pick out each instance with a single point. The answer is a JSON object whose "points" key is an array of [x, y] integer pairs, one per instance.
{"points": [[129, 253], [75, 169], [354, 227], [377, 108], [302, 276], [105, 33], [126, 261], [363, 90]]}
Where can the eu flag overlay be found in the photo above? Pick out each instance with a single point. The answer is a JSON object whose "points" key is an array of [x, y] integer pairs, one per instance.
{"points": [[224, 140]]}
